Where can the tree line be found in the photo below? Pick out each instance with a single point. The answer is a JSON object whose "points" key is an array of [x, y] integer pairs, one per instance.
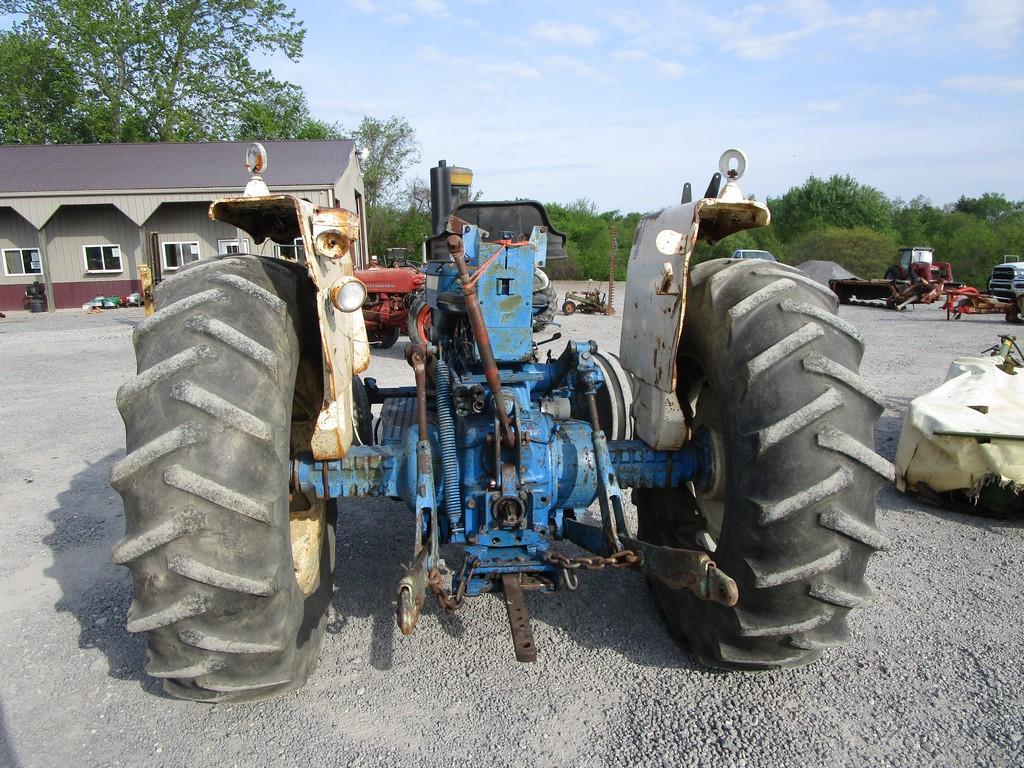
{"points": [[835, 219], [83, 71]]}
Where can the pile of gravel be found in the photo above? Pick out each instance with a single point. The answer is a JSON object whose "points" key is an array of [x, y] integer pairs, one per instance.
{"points": [[823, 271]]}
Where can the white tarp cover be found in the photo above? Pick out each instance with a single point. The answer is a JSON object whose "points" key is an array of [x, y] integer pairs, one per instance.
{"points": [[949, 445]]}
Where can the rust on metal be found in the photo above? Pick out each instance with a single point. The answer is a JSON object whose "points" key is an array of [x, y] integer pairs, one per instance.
{"points": [[686, 569], [971, 301], [518, 618]]}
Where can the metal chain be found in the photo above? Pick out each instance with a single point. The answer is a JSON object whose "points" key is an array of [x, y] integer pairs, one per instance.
{"points": [[625, 558], [445, 600], [450, 603]]}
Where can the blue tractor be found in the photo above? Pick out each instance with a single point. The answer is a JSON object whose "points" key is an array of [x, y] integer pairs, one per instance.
{"points": [[734, 412]]}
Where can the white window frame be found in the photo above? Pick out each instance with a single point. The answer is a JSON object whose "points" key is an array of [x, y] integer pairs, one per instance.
{"points": [[179, 243], [242, 245], [296, 244], [21, 259], [120, 259]]}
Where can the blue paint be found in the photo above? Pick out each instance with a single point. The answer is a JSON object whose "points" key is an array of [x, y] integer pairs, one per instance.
{"points": [[505, 505]]}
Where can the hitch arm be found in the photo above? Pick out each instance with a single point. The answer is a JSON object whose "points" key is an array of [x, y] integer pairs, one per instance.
{"points": [[674, 567], [685, 569]]}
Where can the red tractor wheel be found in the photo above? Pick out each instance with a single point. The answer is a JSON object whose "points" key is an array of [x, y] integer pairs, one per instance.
{"points": [[569, 307], [421, 320]]}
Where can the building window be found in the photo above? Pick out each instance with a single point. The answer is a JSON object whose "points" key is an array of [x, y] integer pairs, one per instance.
{"points": [[102, 258], [232, 246], [177, 255], [22, 261], [294, 252]]}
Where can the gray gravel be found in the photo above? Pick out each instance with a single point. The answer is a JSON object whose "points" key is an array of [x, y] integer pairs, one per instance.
{"points": [[933, 675]]}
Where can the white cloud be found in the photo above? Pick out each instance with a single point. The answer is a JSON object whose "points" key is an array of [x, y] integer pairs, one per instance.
{"points": [[908, 25], [754, 33], [432, 55], [996, 83], [995, 23], [572, 34], [829, 105], [630, 54], [501, 70], [510, 69], [671, 69], [915, 99], [430, 7], [768, 46], [628, 22], [577, 67], [398, 11]]}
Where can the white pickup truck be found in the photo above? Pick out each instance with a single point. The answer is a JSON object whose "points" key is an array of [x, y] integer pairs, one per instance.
{"points": [[1007, 279]]}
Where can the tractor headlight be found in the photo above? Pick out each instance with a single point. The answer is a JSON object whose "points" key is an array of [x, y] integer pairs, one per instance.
{"points": [[348, 294]]}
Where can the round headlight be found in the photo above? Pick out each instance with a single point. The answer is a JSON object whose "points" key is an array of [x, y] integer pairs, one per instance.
{"points": [[348, 294]]}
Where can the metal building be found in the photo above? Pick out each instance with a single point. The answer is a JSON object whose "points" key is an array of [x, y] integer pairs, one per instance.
{"points": [[81, 218]]}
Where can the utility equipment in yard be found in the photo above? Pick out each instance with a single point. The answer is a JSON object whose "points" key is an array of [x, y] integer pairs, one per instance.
{"points": [[394, 299], [962, 444], [971, 301], [916, 279], [736, 413], [592, 301]]}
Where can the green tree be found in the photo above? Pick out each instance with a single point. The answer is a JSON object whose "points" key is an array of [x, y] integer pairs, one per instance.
{"points": [[839, 201], [916, 222], [281, 112], [163, 69], [39, 93], [391, 150], [863, 251], [990, 207]]}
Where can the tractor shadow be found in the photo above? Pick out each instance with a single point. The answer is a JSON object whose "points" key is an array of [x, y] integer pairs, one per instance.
{"points": [[8, 754], [370, 560], [611, 609], [87, 522]]}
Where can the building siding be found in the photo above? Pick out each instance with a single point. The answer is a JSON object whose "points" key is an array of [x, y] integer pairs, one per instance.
{"points": [[75, 226], [189, 222], [15, 232], [127, 217]]}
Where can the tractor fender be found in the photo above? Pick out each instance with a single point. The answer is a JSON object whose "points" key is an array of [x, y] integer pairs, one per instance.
{"points": [[655, 305], [328, 236]]}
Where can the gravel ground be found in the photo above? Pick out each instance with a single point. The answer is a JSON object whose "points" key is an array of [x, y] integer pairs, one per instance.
{"points": [[933, 675]]}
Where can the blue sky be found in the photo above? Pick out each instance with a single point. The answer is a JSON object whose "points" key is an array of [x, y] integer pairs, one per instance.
{"points": [[621, 103]]}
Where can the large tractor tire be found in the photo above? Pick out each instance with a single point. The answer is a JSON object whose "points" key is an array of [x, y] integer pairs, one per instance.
{"points": [[232, 579], [769, 370]]}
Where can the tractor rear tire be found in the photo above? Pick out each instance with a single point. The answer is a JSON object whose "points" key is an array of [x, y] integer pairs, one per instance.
{"points": [[769, 368], [893, 273], [233, 595], [569, 308], [420, 320], [387, 336]]}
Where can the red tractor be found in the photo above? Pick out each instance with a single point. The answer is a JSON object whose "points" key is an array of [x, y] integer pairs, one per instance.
{"points": [[918, 264], [393, 289]]}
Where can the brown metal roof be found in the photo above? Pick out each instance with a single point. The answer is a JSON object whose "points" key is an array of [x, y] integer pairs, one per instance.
{"points": [[186, 165]]}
